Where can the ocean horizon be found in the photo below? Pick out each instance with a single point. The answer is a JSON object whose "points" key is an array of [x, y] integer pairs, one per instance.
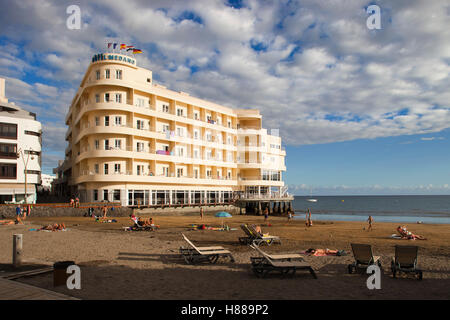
{"points": [[383, 208]]}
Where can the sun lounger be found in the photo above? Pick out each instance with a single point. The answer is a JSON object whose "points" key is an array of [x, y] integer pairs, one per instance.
{"points": [[405, 260], [198, 254], [285, 264], [255, 238], [363, 258]]}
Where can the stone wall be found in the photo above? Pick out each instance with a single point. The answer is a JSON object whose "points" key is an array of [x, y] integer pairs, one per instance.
{"points": [[51, 211]]}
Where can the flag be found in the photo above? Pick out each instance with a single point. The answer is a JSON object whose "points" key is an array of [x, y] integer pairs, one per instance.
{"points": [[137, 51], [130, 47], [109, 45], [123, 46], [114, 45]]}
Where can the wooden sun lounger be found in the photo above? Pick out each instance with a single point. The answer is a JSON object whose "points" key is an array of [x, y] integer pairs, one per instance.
{"points": [[405, 260], [363, 258], [284, 263], [256, 238], [199, 254]]}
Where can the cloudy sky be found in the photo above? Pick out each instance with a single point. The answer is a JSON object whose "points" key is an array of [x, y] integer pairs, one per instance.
{"points": [[360, 111]]}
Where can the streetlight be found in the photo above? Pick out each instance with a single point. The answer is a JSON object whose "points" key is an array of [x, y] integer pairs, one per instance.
{"points": [[25, 164]]}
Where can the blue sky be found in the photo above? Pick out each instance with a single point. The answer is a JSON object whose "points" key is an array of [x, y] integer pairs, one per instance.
{"points": [[360, 111]]}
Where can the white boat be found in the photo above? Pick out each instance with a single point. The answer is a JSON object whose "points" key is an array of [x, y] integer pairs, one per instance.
{"points": [[310, 198]]}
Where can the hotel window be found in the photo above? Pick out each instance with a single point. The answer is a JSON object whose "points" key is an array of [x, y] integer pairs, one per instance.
{"points": [[105, 195], [32, 133], [95, 195], [196, 116], [139, 169], [196, 173], [97, 74], [97, 121], [8, 151], [96, 169], [119, 74], [106, 144], [8, 130], [165, 171], [229, 124], [180, 151], [97, 144], [139, 146], [208, 173], [140, 124], [208, 118], [165, 128], [165, 108], [106, 97], [116, 195], [141, 102], [105, 167], [117, 168], [118, 121], [179, 172], [196, 134], [229, 175], [229, 140], [106, 121], [107, 73], [97, 98], [180, 112], [208, 136], [196, 153], [118, 97], [118, 144], [8, 171], [180, 132]]}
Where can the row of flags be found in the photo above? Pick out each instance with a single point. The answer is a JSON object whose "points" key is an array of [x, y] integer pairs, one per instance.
{"points": [[123, 46]]}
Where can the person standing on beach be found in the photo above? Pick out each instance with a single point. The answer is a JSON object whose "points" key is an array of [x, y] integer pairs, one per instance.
{"points": [[266, 214], [105, 211], [370, 220], [18, 213], [201, 213], [308, 218]]}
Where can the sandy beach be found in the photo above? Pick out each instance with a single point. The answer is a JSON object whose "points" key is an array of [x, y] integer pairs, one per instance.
{"points": [[116, 264]]}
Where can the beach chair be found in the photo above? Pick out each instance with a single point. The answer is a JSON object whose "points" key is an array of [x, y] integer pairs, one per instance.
{"points": [[199, 254], [284, 263], [363, 258], [256, 238], [405, 260]]}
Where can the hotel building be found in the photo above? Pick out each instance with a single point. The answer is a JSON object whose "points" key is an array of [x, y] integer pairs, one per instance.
{"points": [[137, 142], [20, 152]]}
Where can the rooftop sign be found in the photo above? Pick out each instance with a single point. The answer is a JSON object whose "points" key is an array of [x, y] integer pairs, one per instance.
{"points": [[112, 56]]}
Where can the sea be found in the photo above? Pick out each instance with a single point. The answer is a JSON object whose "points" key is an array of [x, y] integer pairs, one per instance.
{"points": [[402, 209]]}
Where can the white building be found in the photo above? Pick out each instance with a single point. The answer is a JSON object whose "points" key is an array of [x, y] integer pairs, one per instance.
{"points": [[20, 152], [46, 181]]}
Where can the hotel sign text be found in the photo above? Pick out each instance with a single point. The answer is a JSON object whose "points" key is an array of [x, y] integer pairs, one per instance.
{"points": [[117, 57]]}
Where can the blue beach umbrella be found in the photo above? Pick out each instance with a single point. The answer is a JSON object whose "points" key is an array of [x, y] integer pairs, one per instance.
{"points": [[223, 214]]}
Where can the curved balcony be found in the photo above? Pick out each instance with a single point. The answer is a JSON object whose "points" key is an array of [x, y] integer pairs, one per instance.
{"points": [[129, 177]]}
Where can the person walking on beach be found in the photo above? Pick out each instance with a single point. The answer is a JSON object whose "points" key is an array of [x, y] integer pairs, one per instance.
{"points": [[18, 214], [266, 214], [370, 220], [289, 214], [201, 213], [308, 218]]}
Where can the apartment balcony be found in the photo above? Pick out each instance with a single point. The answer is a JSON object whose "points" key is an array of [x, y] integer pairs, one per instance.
{"points": [[259, 181], [152, 154], [171, 178]]}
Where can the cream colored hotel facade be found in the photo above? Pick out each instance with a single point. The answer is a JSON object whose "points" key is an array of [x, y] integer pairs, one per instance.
{"points": [[137, 142]]}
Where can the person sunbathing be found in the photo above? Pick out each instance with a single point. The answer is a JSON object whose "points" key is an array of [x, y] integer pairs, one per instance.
{"points": [[321, 252], [54, 227], [405, 234], [6, 222]]}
